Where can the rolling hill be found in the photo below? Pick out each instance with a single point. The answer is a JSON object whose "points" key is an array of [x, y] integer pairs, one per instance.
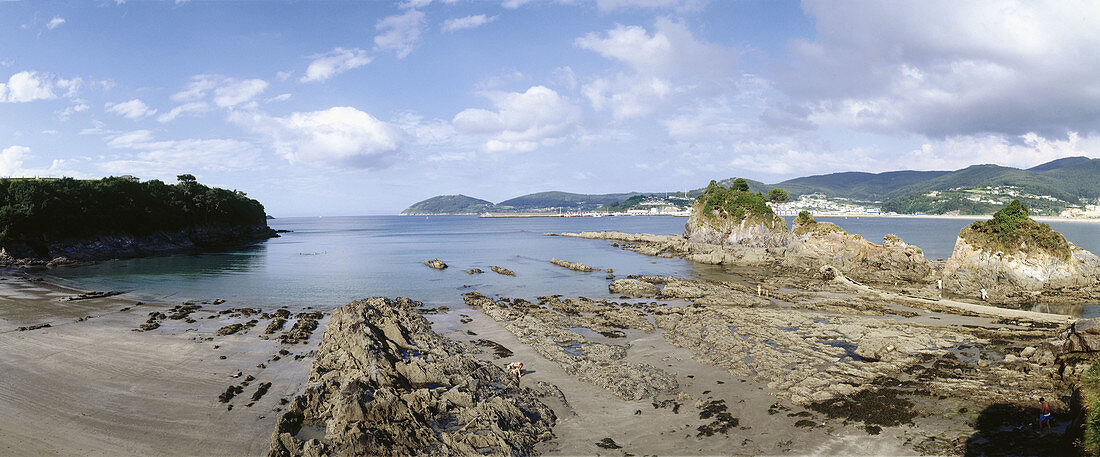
{"points": [[978, 189]]}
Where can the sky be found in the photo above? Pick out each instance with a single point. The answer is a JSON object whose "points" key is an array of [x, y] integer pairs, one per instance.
{"points": [[365, 107]]}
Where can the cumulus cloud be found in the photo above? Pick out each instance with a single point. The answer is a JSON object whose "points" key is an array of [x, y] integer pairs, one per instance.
{"points": [[337, 137], [468, 22], [186, 108], [28, 86], [658, 65], [1023, 151], [139, 152], [133, 109], [11, 164], [399, 33], [55, 22], [943, 68], [521, 121], [339, 60]]}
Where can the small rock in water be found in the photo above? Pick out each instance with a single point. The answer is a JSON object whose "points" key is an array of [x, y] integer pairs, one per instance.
{"points": [[435, 263], [502, 271]]}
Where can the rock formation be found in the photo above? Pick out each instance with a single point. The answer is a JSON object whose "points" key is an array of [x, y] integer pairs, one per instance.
{"points": [[633, 288], [435, 263], [818, 244], [575, 266], [384, 384], [1017, 260], [734, 218]]}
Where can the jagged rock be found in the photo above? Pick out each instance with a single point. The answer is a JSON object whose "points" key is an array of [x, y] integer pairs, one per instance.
{"points": [[634, 288], [435, 263], [474, 271], [384, 384], [572, 265]]}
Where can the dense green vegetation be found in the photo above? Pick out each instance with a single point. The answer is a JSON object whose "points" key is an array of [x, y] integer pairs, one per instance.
{"points": [[718, 201], [450, 204], [1012, 231], [805, 223], [778, 195], [1090, 391], [34, 210]]}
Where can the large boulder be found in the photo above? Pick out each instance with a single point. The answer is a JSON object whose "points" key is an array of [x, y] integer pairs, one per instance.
{"points": [[818, 244]]}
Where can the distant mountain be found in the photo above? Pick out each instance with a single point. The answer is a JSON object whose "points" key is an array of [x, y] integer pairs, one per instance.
{"points": [[566, 200], [450, 204], [979, 189]]}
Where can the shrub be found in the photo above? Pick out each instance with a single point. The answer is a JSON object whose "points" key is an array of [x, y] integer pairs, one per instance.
{"points": [[737, 204], [1011, 231]]}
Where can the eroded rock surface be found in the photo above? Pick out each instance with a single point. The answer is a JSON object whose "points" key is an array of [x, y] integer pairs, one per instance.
{"points": [[384, 384], [1021, 276], [575, 266], [553, 326], [435, 263]]}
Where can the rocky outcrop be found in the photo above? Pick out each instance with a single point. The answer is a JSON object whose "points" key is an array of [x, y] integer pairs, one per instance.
{"points": [[502, 271], [633, 288], [435, 263], [575, 266], [752, 230], [23, 253], [854, 257], [384, 384], [1019, 277]]}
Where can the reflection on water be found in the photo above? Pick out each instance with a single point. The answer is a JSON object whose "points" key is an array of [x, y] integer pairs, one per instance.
{"points": [[327, 262]]}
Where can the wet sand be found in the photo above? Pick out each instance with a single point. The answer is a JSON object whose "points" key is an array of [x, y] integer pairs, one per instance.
{"points": [[96, 387]]}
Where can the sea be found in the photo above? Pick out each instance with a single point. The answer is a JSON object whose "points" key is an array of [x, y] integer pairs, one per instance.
{"points": [[325, 262]]}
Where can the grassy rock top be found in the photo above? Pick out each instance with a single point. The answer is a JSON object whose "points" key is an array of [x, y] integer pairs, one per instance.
{"points": [[805, 223], [721, 202], [1012, 231]]}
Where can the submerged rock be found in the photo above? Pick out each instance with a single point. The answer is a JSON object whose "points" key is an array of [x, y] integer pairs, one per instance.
{"points": [[384, 384]]}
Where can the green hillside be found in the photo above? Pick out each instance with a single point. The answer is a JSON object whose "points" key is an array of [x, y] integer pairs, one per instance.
{"points": [[450, 204]]}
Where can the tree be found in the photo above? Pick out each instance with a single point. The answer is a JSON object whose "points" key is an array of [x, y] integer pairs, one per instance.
{"points": [[186, 178], [740, 185], [778, 196]]}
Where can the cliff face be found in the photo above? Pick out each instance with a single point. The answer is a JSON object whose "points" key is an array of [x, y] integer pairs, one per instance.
{"points": [[1019, 276], [752, 230], [39, 252]]}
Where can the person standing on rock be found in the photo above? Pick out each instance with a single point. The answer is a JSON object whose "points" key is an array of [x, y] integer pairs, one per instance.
{"points": [[1044, 414], [516, 368]]}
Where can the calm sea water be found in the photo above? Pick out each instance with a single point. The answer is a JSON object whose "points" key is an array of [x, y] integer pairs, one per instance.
{"points": [[326, 262]]}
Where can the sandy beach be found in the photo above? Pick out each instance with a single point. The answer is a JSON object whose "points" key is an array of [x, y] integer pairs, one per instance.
{"points": [[90, 385]]}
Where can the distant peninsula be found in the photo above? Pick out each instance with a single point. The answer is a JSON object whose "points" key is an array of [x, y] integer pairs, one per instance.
{"points": [[58, 221], [1064, 187]]}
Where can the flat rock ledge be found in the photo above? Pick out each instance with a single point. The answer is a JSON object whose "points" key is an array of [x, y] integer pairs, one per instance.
{"points": [[575, 266], [384, 384]]}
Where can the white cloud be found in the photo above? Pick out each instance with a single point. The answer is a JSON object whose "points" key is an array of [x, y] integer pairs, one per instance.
{"points": [[133, 109], [399, 33], [28, 86], [522, 121], [141, 153], [204, 92], [186, 108], [79, 106], [468, 22], [513, 4], [339, 60], [55, 22], [675, 5], [337, 137], [659, 66], [11, 164], [11, 160], [233, 93], [943, 68], [1023, 151], [279, 98]]}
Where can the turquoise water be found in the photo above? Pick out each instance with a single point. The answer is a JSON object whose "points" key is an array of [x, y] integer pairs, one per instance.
{"points": [[326, 262]]}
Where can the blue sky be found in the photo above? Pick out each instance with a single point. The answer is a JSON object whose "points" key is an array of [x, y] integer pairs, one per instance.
{"points": [[349, 107]]}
